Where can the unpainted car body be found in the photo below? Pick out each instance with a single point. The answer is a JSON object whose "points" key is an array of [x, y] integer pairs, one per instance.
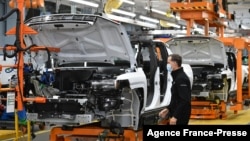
{"points": [[98, 75], [213, 65]]}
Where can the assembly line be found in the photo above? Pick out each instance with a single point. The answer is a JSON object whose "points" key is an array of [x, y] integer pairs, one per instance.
{"points": [[74, 76]]}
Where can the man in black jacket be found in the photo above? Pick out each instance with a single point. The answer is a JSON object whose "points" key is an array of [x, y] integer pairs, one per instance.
{"points": [[179, 109]]}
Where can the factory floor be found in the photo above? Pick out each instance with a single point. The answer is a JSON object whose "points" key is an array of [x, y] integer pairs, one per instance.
{"points": [[242, 117]]}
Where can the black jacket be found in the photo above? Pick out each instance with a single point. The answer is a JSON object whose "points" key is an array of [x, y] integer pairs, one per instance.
{"points": [[180, 104]]}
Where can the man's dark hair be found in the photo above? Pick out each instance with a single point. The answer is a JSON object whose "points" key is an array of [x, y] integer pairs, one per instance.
{"points": [[176, 58]]}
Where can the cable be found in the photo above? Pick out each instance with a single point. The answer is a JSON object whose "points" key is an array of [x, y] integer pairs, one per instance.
{"points": [[9, 55], [9, 14]]}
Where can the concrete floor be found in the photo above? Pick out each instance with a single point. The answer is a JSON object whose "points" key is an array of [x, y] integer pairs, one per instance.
{"points": [[241, 118]]}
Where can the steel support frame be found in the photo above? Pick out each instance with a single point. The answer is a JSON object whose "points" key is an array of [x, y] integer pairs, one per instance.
{"points": [[205, 14], [93, 131]]}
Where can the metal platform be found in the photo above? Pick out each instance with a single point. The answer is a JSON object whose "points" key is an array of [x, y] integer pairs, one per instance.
{"points": [[241, 118]]}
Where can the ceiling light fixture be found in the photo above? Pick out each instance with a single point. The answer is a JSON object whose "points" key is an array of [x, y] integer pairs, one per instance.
{"points": [[156, 11], [174, 25], [123, 12], [244, 27], [131, 21], [164, 23], [128, 2], [163, 13], [149, 19], [86, 3], [173, 32]]}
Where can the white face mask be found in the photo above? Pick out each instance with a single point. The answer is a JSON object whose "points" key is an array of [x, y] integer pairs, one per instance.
{"points": [[169, 67]]}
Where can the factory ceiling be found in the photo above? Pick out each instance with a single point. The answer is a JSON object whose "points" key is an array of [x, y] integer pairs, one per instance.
{"points": [[240, 26], [159, 10]]}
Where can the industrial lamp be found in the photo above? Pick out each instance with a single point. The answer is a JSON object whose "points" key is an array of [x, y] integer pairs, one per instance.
{"points": [[86, 3]]}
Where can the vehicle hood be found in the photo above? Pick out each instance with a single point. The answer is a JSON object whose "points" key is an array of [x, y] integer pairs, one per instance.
{"points": [[81, 38], [199, 50]]}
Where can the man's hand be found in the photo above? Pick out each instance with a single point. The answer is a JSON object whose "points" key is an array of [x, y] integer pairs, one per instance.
{"points": [[172, 121], [163, 113]]}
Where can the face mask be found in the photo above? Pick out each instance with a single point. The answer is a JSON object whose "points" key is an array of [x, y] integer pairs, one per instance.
{"points": [[169, 67]]}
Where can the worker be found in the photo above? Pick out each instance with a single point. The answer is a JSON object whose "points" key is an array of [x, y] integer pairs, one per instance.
{"points": [[179, 109]]}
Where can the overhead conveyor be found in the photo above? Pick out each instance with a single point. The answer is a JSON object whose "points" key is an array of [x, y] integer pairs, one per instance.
{"points": [[203, 12]]}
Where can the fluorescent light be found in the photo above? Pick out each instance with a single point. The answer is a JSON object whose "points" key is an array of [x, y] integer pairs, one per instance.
{"points": [[244, 27], [173, 32], [174, 25], [123, 12], [164, 23], [128, 2], [149, 19], [131, 21], [86, 3], [162, 13], [156, 11]]}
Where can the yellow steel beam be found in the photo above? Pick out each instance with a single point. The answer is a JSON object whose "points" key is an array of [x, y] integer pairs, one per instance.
{"points": [[8, 134]]}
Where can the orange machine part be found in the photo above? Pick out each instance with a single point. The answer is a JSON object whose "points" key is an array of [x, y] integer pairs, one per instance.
{"points": [[202, 13], [36, 48], [24, 30], [92, 132], [208, 15], [240, 44], [207, 110], [28, 3], [248, 48], [35, 99]]}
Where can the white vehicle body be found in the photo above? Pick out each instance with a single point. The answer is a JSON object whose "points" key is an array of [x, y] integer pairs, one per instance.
{"points": [[99, 74], [213, 67], [187, 69]]}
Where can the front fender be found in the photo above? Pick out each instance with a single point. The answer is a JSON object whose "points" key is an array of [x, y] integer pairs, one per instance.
{"points": [[136, 80]]}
